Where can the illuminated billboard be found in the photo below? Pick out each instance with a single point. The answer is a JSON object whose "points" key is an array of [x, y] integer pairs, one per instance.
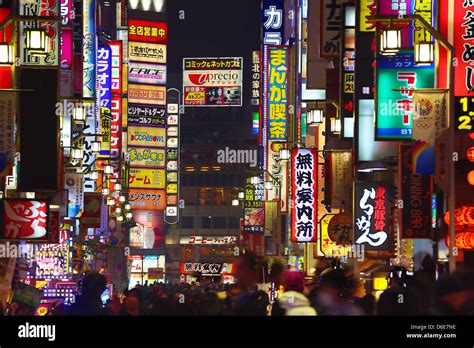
{"points": [[146, 52], [145, 94], [146, 136], [212, 81]]}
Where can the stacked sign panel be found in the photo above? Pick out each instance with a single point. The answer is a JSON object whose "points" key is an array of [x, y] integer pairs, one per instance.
{"points": [[146, 136]]}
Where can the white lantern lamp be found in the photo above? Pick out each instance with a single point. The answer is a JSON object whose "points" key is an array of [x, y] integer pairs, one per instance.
{"points": [[38, 41], [6, 54], [424, 53], [390, 41]]}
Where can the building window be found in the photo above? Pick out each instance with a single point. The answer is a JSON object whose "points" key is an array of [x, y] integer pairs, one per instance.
{"points": [[205, 222], [233, 222], [219, 222], [187, 222]]}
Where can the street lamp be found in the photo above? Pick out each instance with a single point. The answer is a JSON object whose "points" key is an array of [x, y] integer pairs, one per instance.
{"points": [[122, 199], [268, 185], [424, 53], [80, 113], [105, 191], [284, 154], [241, 195], [95, 146], [38, 41], [314, 117], [77, 153], [129, 215], [94, 175], [390, 41], [6, 53], [128, 207], [110, 202], [254, 180], [235, 202], [117, 186], [108, 169], [120, 218], [335, 125], [118, 210]]}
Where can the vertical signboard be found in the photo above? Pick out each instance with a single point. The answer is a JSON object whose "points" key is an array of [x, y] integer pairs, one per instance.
{"points": [[331, 20], [273, 20], [8, 102], [368, 8], [254, 207], [463, 42], [277, 90], [39, 8], [396, 81], [255, 94], [104, 97], [340, 171], [88, 49], [416, 195], [347, 69], [116, 47], [371, 215], [304, 189]]}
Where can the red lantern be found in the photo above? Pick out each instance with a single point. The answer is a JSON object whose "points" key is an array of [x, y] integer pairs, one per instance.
{"points": [[470, 177], [464, 241], [470, 154]]}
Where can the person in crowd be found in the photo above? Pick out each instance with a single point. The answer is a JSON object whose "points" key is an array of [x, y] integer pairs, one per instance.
{"points": [[333, 295], [89, 302], [293, 301]]}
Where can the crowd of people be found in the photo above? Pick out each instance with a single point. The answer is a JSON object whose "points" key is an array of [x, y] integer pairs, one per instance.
{"points": [[331, 292]]}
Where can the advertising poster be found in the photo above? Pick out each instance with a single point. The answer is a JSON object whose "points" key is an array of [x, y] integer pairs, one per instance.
{"points": [[24, 219], [212, 81], [146, 136], [147, 178], [146, 157], [254, 210], [147, 52], [91, 217], [396, 81], [74, 186], [149, 231]]}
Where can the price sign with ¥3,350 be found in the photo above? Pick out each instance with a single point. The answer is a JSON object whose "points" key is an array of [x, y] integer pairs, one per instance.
{"points": [[464, 114]]}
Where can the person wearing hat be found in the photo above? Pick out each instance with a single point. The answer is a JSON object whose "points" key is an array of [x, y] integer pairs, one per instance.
{"points": [[293, 301]]}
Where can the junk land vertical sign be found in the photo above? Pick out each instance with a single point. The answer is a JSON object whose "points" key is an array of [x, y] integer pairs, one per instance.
{"points": [[371, 214], [88, 48], [304, 190], [41, 8]]}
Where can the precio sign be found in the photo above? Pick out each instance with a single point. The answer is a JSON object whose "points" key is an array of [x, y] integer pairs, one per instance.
{"points": [[212, 81]]}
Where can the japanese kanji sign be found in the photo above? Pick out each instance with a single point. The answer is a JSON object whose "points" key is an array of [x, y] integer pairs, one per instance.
{"points": [[276, 92], [340, 173], [396, 80], [254, 207], [146, 31], [212, 81], [273, 20], [147, 199], [147, 178], [116, 127], [207, 268], [116, 47], [368, 8], [220, 240], [398, 8], [24, 219], [145, 94], [256, 77], [146, 157], [104, 97], [371, 215], [304, 219], [147, 52], [331, 19], [463, 42], [146, 115]]}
